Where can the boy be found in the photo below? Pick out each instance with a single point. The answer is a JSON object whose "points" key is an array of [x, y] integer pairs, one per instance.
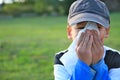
{"points": [[87, 58]]}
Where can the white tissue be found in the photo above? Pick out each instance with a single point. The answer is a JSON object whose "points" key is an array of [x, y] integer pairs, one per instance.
{"points": [[90, 26]]}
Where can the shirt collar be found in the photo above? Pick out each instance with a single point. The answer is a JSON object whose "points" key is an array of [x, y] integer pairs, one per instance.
{"points": [[70, 58]]}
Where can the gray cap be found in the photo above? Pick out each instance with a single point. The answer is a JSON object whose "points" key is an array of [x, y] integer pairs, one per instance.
{"points": [[89, 10]]}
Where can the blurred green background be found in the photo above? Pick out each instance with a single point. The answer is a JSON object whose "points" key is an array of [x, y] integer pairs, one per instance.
{"points": [[29, 39]]}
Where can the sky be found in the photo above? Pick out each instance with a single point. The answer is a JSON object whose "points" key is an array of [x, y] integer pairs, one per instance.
{"points": [[10, 1], [6, 1]]}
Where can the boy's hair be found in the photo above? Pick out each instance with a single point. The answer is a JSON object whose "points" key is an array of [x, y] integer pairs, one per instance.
{"points": [[89, 10]]}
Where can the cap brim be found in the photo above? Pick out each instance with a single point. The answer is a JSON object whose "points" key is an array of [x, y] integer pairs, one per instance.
{"points": [[88, 17]]}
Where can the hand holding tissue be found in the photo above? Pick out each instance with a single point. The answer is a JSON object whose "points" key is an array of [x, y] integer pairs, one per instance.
{"points": [[89, 46], [94, 55], [90, 49]]}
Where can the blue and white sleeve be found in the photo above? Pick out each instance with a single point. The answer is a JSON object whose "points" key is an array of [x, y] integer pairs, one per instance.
{"points": [[82, 72], [60, 73], [114, 74], [101, 71]]}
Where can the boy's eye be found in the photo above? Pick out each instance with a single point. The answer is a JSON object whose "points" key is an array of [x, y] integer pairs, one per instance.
{"points": [[80, 27], [99, 27]]}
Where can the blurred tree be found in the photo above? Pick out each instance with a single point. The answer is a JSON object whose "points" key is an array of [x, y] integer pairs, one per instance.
{"points": [[40, 6], [30, 1], [66, 4], [46, 6], [16, 9], [12, 9], [49, 7], [113, 5]]}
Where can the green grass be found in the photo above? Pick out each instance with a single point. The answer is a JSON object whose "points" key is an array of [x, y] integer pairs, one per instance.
{"points": [[114, 36], [28, 45]]}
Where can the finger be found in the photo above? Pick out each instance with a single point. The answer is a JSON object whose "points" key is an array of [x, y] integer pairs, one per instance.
{"points": [[80, 42], [97, 46], [81, 38], [86, 39], [97, 39], [93, 45], [94, 37], [89, 45]]}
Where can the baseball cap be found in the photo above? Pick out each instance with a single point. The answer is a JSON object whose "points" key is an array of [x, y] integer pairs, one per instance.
{"points": [[89, 10]]}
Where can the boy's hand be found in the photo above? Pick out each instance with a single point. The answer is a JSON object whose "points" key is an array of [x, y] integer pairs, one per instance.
{"points": [[89, 47], [84, 46], [97, 48]]}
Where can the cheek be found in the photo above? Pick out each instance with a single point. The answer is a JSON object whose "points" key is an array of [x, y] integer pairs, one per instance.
{"points": [[74, 32], [102, 36]]}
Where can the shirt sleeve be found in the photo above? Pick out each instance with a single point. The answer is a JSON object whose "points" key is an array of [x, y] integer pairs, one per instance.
{"points": [[82, 72], [60, 73], [114, 74], [101, 71]]}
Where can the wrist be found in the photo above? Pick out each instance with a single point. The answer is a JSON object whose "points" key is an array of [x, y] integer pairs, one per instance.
{"points": [[98, 65], [87, 62]]}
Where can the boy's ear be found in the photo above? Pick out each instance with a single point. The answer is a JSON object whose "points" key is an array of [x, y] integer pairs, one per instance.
{"points": [[107, 32], [69, 32]]}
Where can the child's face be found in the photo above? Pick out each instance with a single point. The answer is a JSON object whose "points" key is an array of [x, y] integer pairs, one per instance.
{"points": [[73, 31]]}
